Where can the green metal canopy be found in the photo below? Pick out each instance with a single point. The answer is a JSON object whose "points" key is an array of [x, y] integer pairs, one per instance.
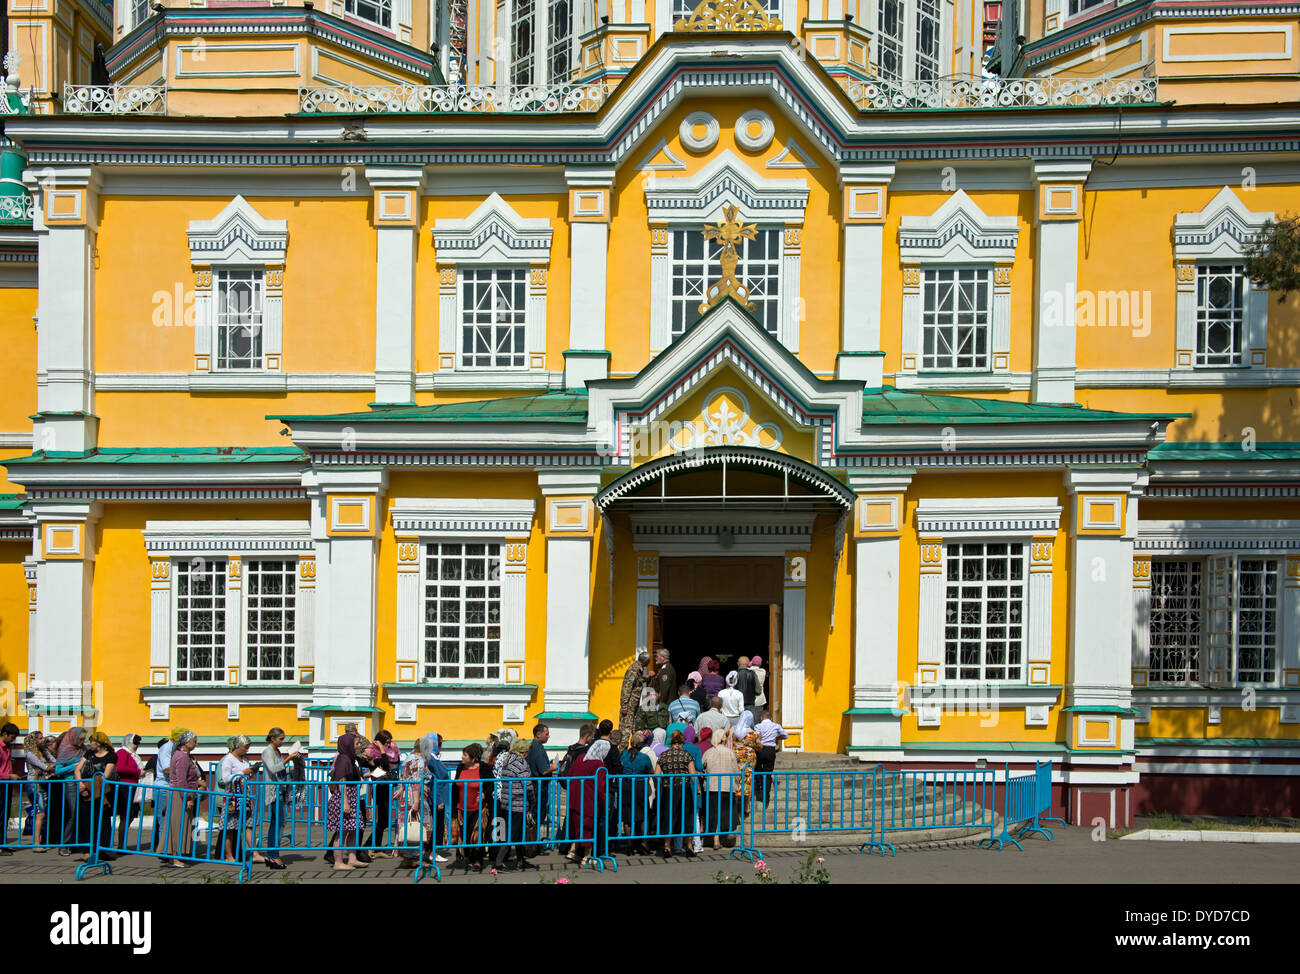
{"points": [[887, 405], [546, 407]]}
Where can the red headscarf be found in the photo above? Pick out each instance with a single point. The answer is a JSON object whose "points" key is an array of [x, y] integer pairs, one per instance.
{"points": [[705, 740]]}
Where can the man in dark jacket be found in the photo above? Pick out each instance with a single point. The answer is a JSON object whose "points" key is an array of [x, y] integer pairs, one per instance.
{"points": [[664, 680], [747, 684], [540, 765]]}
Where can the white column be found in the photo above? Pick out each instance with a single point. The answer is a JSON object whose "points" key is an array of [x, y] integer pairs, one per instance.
{"points": [[60, 653], [570, 524], [865, 200], [1141, 620], [397, 220], [793, 623], [1038, 627], [877, 525], [65, 219], [345, 526], [1056, 263], [589, 210]]}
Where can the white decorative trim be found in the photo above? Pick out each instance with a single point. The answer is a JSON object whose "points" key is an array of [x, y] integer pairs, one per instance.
{"points": [[726, 180], [958, 232], [987, 516], [1174, 537], [222, 695], [1195, 378], [1220, 231], [686, 132], [460, 695], [493, 233], [1218, 29], [957, 382], [755, 143], [238, 235], [793, 156], [181, 538], [462, 517], [672, 163]]}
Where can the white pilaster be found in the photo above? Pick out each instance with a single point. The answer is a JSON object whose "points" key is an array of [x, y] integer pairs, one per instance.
{"points": [[647, 594], [589, 212], [1059, 208], [60, 653], [65, 219], [793, 623], [345, 508], [865, 194], [396, 218], [570, 530]]}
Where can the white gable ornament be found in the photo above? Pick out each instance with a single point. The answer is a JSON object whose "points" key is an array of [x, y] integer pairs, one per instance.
{"points": [[238, 235], [493, 233]]}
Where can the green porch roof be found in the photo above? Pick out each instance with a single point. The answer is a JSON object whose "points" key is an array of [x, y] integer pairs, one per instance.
{"points": [[163, 454], [12, 502], [889, 406], [1216, 742], [546, 407], [1229, 452]]}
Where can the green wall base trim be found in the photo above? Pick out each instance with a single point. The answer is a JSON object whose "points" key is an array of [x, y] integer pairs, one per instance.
{"points": [[1122, 711], [565, 715], [876, 712]]}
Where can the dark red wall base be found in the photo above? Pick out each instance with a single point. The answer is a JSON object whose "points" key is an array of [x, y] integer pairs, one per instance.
{"points": [[1220, 794]]}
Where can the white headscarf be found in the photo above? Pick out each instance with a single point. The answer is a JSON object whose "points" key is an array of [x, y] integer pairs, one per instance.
{"points": [[732, 677], [598, 751], [744, 725]]}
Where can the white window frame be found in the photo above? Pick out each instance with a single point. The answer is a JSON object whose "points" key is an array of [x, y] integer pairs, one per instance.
{"points": [[1217, 235], [464, 275], [742, 273], [238, 239], [985, 273], [957, 235], [1022, 667], [542, 12], [252, 604], [906, 39], [493, 236], [1220, 614], [222, 606], [352, 10], [223, 278], [426, 583], [170, 544], [688, 202], [942, 522], [419, 522]]}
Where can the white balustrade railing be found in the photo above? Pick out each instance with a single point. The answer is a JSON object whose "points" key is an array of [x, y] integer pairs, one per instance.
{"points": [[15, 209], [969, 92], [115, 99], [453, 98]]}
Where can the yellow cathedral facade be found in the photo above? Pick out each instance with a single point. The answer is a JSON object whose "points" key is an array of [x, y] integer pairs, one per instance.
{"points": [[414, 363]]}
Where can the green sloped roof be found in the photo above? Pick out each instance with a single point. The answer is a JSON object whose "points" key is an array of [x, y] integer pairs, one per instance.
{"points": [[155, 455], [1216, 742], [546, 407], [1225, 451], [887, 405], [12, 502]]}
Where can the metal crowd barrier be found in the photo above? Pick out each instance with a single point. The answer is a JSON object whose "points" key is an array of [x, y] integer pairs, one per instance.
{"points": [[1025, 798], [814, 802], [65, 819]]}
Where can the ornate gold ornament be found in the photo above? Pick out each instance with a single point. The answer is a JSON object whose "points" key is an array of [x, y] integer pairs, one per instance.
{"points": [[728, 231], [728, 15]]}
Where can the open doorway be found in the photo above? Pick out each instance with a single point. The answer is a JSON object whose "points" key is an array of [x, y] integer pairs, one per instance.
{"points": [[723, 632]]}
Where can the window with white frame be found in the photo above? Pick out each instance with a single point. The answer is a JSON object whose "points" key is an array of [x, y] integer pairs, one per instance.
{"points": [[1220, 314], [138, 13], [462, 611], [956, 307], [522, 30], [683, 264], [270, 586], [696, 265], [238, 258], [494, 308], [379, 12], [201, 621], [927, 40], [559, 41], [492, 302], [890, 35], [1079, 6], [238, 296], [956, 300], [1188, 618], [984, 611]]}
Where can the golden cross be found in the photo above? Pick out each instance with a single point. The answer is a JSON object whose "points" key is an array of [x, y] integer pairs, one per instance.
{"points": [[728, 231]]}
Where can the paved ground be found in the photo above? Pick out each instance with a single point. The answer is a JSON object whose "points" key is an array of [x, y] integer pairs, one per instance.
{"points": [[1073, 857]]}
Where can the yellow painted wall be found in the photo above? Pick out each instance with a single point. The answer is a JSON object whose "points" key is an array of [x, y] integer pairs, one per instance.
{"points": [[1264, 722], [1213, 417], [120, 622], [18, 364], [14, 611]]}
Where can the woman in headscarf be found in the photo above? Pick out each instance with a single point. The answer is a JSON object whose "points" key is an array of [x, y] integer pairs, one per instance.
{"points": [[471, 808], [341, 807], [437, 794], [587, 790], [96, 809], [705, 741], [659, 743], [69, 749], [410, 801], [745, 744], [385, 758], [712, 679], [513, 799], [128, 791], [722, 786], [184, 781], [696, 683], [39, 762], [232, 776], [760, 683], [637, 791], [733, 701]]}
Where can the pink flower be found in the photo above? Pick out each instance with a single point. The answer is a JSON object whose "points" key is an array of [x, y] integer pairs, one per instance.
{"points": [[561, 882], [494, 872], [760, 866]]}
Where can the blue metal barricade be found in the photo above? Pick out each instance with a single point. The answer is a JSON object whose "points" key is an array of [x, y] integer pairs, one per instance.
{"points": [[189, 825], [48, 814], [909, 801], [1020, 803], [674, 810], [798, 803]]}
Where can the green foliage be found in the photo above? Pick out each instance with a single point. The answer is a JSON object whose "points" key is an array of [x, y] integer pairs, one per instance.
{"points": [[1273, 257]]}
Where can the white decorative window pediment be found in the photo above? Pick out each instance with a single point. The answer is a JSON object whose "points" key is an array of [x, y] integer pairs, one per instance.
{"points": [[993, 517], [462, 517], [957, 268], [238, 235], [492, 267], [1221, 316], [678, 206], [238, 258]]}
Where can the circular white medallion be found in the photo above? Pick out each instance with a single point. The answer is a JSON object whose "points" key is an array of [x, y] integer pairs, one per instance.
{"points": [[754, 130], [699, 131]]}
